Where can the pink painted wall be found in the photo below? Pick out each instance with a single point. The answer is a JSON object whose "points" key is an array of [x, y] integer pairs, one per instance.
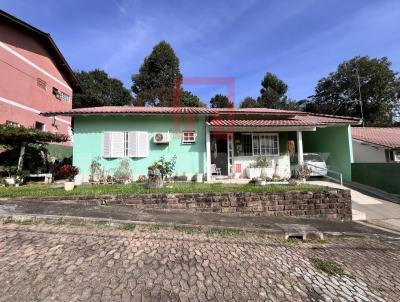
{"points": [[18, 81]]}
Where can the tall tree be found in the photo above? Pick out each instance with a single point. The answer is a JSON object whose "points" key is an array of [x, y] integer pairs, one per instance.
{"points": [[100, 90], [220, 101], [249, 102], [370, 80], [273, 92], [272, 95], [190, 100], [158, 76]]}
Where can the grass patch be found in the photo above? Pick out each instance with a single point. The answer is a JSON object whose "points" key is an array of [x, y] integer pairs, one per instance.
{"points": [[8, 220], [57, 222], [225, 232], [316, 241], [294, 240], [42, 190], [328, 266], [127, 227], [20, 222], [188, 230], [153, 228]]}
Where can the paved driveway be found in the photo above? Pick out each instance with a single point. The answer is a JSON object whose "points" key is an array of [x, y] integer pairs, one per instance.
{"points": [[374, 210], [64, 263]]}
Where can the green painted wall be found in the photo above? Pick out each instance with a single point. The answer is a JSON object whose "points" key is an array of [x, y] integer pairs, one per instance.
{"points": [[190, 158], [59, 151], [334, 145], [384, 176]]}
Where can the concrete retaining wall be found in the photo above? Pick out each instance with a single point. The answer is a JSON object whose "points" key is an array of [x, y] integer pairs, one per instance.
{"points": [[329, 204]]}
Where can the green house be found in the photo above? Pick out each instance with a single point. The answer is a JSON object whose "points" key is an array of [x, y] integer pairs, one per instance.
{"points": [[215, 143]]}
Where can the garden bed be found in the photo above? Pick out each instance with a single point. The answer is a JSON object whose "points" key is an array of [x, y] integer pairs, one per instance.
{"points": [[131, 189]]}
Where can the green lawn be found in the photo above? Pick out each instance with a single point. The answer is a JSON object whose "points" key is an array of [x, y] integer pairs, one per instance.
{"points": [[95, 190]]}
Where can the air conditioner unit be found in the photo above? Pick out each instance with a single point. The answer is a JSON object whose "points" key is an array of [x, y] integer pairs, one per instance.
{"points": [[161, 138]]}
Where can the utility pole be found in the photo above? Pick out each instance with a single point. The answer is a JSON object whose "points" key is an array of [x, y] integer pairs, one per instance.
{"points": [[359, 97]]}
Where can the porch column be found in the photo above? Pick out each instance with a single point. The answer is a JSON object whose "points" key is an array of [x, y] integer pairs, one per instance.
{"points": [[208, 153], [300, 147]]}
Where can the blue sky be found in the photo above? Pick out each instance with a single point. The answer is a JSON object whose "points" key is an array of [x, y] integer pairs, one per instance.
{"points": [[300, 41]]}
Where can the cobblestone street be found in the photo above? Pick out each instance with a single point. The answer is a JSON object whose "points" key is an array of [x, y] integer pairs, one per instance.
{"points": [[75, 263]]}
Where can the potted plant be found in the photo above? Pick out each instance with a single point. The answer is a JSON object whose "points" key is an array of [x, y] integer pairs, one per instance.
{"points": [[14, 180], [68, 172], [266, 166], [19, 178], [10, 180], [199, 177], [253, 171], [262, 181], [301, 173]]}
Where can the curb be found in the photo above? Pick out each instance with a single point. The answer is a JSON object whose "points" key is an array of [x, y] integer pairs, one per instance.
{"points": [[278, 233], [116, 223]]}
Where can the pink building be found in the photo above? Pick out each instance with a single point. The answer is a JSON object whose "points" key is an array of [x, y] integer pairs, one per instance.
{"points": [[34, 77]]}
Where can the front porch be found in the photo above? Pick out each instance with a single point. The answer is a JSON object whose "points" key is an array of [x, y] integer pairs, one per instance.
{"points": [[231, 151]]}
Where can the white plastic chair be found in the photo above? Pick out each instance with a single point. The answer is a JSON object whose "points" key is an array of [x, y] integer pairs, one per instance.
{"points": [[215, 170]]}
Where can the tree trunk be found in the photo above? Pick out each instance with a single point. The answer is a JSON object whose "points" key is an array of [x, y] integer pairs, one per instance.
{"points": [[21, 158]]}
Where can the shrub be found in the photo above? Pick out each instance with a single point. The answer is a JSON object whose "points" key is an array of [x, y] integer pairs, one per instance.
{"points": [[95, 169], [166, 167], [180, 178], [263, 162], [123, 174], [67, 172], [301, 171], [142, 178]]}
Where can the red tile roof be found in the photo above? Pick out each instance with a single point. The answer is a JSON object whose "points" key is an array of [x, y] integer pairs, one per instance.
{"points": [[174, 110], [267, 111], [132, 110], [221, 117], [387, 137], [326, 119], [259, 123], [298, 120]]}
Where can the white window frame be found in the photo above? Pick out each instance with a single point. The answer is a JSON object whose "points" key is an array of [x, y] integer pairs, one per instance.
{"points": [[264, 134], [192, 137], [43, 126], [65, 97], [396, 155], [125, 145]]}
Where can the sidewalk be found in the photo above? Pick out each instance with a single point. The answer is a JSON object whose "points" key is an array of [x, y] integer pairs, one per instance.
{"points": [[126, 214], [371, 209]]}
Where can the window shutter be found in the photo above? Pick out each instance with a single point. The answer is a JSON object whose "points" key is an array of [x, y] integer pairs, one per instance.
{"points": [[143, 145], [138, 144], [117, 146], [107, 144], [132, 144]]}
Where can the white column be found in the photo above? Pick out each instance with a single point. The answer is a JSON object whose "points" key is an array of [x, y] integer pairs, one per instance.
{"points": [[208, 153], [300, 147]]}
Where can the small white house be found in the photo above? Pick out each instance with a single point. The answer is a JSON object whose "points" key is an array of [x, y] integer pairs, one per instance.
{"points": [[376, 145]]}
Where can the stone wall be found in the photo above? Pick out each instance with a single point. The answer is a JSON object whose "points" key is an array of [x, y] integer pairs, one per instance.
{"points": [[330, 204]]}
